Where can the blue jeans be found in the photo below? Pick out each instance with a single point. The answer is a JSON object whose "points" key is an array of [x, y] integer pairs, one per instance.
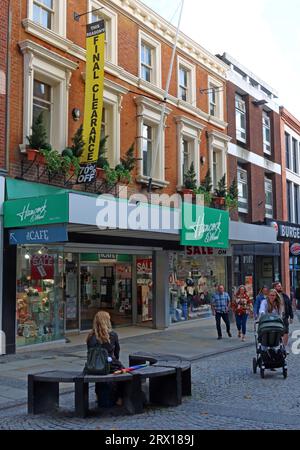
{"points": [[241, 322]]}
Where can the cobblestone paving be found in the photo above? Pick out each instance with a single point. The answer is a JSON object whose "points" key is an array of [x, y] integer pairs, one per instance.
{"points": [[226, 395]]}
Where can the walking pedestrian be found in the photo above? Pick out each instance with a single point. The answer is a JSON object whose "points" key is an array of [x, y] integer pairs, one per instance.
{"points": [[262, 295], [273, 304], [242, 308], [288, 314], [220, 307], [297, 300]]}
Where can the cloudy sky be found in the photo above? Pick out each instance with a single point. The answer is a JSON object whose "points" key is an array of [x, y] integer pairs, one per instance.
{"points": [[264, 35]]}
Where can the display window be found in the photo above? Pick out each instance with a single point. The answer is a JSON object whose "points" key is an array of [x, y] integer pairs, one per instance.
{"points": [[144, 288], [106, 284], [39, 296], [192, 281]]}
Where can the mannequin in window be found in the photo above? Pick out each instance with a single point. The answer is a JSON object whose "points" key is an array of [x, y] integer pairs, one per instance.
{"points": [[188, 294]]}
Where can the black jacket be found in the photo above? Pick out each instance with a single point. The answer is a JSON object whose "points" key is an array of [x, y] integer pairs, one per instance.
{"points": [[288, 309], [112, 347]]}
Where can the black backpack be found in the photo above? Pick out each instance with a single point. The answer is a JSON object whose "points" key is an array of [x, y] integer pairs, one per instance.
{"points": [[97, 361]]}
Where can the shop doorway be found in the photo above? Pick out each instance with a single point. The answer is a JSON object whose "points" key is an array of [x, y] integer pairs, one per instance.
{"points": [[106, 284]]}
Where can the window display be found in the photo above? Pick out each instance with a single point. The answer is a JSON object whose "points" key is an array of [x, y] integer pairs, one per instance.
{"points": [[40, 306], [144, 288], [192, 281]]}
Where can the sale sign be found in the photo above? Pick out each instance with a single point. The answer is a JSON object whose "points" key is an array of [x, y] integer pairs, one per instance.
{"points": [[42, 267], [144, 266]]}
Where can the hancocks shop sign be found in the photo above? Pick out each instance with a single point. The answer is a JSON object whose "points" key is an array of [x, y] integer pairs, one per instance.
{"points": [[204, 227]]}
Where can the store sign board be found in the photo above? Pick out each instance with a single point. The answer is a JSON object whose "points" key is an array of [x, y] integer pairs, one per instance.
{"points": [[286, 231], [38, 235], [204, 227], [143, 266], [94, 83], [33, 211], [295, 249], [204, 251]]}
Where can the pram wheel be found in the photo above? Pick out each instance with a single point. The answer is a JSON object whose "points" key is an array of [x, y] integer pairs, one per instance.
{"points": [[262, 373], [284, 371], [254, 365]]}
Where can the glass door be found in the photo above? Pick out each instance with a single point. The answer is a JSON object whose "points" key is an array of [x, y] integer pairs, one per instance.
{"points": [[71, 281]]}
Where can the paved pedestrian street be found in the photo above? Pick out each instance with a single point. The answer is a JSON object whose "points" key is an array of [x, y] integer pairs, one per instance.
{"points": [[226, 395]]}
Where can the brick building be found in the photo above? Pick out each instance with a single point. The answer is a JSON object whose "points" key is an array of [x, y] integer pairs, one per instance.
{"points": [[254, 159], [47, 49], [4, 81], [290, 144]]}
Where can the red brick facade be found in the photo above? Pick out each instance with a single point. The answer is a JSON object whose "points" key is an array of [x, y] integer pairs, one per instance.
{"points": [[128, 51], [4, 25]]}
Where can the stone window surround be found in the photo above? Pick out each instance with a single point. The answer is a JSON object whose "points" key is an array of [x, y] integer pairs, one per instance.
{"points": [[55, 70], [219, 96], [191, 131], [156, 46], [218, 142], [112, 17], [148, 111], [191, 68], [59, 16]]}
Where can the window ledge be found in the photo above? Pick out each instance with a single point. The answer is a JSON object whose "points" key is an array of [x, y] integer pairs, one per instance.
{"points": [[155, 182], [54, 38]]}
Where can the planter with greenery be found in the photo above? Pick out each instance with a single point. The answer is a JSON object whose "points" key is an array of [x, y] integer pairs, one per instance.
{"points": [[38, 140], [220, 193], [205, 189], [189, 180], [232, 196]]}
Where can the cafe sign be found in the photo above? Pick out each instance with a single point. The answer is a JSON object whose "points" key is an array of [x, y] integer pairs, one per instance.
{"points": [[204, 227]]}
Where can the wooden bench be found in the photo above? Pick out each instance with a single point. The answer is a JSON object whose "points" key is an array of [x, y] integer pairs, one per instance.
{"points": [[161, 360], [164, 389]]}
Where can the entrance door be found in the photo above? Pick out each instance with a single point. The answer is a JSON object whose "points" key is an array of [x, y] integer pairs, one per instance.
{"points": [[71, 281]]}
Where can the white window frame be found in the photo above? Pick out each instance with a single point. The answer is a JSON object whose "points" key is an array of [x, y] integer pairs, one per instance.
{"points": [[242, 178], [59, 22], [218, 142], [111, 22], [191, 131], [55, 70], [191, 80], [219, 95], [239, 111], [267, 144], [156, 53], [269, 208], [149, 112]]}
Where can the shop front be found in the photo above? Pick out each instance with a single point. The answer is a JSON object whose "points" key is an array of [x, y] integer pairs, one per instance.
{"points": [[194, 276], [62, 267]]}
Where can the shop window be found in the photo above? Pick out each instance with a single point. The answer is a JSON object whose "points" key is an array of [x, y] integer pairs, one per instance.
{"points": [[240, 116], [42, 104], [144, 288], [110, 19], [149, 59], [269, 198], [267, 133], [215, 98], [40, 299], [43, 13], [242, 178], [186, 81], [46, 88]]}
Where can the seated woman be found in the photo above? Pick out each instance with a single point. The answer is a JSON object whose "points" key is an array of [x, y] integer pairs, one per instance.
{"points": [[107, 393]]}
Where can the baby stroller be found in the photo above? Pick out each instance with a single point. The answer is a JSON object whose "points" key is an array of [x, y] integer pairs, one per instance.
{"points": [[270, 351]]}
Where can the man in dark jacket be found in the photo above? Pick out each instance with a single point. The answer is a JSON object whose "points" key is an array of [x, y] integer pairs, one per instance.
{"points": [[288, 311]]}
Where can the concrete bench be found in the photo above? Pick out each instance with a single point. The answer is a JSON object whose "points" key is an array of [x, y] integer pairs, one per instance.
{"points": [[164, 389], [161, 360]]}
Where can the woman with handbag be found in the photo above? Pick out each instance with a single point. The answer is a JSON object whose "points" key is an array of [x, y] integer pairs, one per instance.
{"points": [[242, 308], [103, 335]]}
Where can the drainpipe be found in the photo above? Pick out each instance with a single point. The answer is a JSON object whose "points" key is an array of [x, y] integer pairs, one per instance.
{"points": [[8, 80]]}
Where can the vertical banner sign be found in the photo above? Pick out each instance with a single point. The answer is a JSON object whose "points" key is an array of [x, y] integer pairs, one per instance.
{"points": [[94, 81]]}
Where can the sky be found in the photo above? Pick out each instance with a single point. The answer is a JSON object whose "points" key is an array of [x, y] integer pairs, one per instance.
{"points": [[263, 35]]}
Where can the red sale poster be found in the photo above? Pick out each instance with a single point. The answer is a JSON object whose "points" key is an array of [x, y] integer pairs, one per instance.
{"points": [[42, 267]]}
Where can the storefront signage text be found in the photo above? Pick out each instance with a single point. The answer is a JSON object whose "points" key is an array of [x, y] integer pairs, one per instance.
{"points": [[143, 266], [38, 235], [295, 249], [204, 227], [42, 210], [94, 82], [198, 251], [42, 267], [286, 231]]}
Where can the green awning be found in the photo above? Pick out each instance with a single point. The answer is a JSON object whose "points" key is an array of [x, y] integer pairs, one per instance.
{"points": [[16, 189]]}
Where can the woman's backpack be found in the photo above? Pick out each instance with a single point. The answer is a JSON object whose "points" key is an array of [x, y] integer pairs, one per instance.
{"points": [[97, 361]]}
